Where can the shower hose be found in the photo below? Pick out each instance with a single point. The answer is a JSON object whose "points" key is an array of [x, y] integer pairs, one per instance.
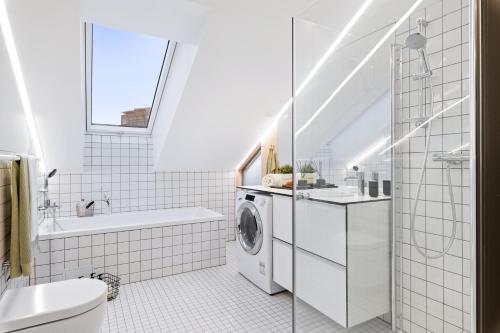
{"points": [[413, 212]]}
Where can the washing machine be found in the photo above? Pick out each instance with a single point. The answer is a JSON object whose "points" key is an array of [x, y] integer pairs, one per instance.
{"points": [[254, 254]]}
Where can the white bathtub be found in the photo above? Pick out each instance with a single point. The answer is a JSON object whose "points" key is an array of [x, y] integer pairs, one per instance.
{"points": [[78, 226], [135, 246]]}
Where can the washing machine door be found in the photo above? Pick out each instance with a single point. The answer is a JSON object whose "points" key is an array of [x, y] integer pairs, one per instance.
{"points": [[249, 228]]}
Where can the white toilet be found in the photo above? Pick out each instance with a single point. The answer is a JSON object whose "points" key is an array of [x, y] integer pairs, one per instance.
{"points": [[75, 306]]}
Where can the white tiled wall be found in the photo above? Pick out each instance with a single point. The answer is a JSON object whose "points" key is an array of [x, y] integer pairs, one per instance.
{"points": [[122, 167], [134, 255], [335, 170], [436, 292]]}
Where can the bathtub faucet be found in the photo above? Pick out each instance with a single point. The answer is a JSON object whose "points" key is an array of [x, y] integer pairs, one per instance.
{"points": [[46, 204], [107, 199]]}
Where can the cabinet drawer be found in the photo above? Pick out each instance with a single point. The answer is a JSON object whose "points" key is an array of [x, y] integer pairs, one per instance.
{"points": [[322, 284], [282, 218], [321, 229], [282, 264]]}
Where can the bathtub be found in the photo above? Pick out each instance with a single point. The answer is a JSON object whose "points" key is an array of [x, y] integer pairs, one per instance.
{"points": [[135, 246], [76, 226]]}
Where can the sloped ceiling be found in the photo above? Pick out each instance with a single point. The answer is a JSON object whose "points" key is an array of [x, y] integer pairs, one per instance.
{"points": [[46, 34], [234, 73], [240, 78], [48, 37], [317, 28], [14, 133]]}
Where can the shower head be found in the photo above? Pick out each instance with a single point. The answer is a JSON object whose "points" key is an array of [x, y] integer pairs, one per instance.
{"points": [[416, 41], [52, 173], [46, 181]]}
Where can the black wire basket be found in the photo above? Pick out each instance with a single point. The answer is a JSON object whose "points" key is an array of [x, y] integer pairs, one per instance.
{"points": [[112, 281]]}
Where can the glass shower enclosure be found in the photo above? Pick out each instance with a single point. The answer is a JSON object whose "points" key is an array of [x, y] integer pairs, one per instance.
{"points": [[382, 230]]}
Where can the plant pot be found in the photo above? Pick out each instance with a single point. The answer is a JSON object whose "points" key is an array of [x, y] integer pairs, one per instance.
{"points": [[309, 177]]}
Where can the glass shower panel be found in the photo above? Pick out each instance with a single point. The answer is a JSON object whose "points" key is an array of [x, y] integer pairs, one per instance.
{"points": [[381, 117], [342, 126]]}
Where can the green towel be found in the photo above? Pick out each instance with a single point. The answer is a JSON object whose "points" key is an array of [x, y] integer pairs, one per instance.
{"points": [[272, 161], [20, 244]]}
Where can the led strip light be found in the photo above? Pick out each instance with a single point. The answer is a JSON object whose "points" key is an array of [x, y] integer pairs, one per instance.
{"points": [[21, 85], [388, 34]]}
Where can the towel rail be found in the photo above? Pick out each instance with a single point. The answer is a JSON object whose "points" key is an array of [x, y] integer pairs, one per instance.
{"points": [[13, 157], [9, 157]]}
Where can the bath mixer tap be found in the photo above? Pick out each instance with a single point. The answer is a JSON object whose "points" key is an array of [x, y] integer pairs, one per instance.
{"points": [[107, 199], [46, 204]]}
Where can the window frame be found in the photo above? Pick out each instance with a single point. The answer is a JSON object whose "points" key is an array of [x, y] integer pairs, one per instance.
{"points": [[240, 174], [160, 87]]}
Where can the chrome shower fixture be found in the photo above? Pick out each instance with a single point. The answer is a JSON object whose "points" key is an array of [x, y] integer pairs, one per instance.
{"points": [[49, 175], [45, 190], [417, 41], [52, 173], [451, 158]]}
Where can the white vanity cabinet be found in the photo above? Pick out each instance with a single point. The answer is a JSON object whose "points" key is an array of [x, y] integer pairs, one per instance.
{"points": [[342, 259], [282, 218]]}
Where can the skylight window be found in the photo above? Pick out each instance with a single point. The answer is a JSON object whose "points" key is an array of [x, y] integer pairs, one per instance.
{"points": [[125, 77]]}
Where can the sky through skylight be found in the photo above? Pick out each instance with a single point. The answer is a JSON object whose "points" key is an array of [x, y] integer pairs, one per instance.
{"points": [[125, 70]]}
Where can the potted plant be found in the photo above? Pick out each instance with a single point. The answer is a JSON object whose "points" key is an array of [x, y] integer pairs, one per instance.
{"points": [[286, 173], [286, 169], [307, 172]]}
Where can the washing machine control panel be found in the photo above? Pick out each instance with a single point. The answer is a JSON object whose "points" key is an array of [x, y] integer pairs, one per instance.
{"points": [[258, 200], [250, 197]]}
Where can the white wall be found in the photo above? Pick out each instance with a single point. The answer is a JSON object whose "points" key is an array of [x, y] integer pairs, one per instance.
{"points": [[178, 76], [241, 77], [47, 36], [373, 124], [14, 133]]}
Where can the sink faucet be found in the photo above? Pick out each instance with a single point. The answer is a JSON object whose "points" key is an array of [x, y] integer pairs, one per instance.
{"points": [[360, 177]]}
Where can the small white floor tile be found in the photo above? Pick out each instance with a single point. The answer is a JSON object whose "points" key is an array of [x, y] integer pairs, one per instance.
{"points": [[216, 299]]}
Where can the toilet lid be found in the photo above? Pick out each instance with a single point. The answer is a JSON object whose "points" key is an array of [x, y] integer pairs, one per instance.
{"points": [[31, 306]]}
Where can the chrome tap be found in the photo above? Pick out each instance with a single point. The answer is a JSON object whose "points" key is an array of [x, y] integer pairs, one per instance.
{"points": [[46, 204], [360, 177], [107, 200]]}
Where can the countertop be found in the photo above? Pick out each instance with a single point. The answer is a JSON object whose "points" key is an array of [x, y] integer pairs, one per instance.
{"points": [[343, 195]]}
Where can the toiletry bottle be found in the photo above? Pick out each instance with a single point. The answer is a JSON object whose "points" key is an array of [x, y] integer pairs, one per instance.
{"points": [[80, 208]]}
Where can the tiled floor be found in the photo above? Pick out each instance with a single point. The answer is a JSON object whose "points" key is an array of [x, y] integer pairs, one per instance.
{"points": [[214, 300]]}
